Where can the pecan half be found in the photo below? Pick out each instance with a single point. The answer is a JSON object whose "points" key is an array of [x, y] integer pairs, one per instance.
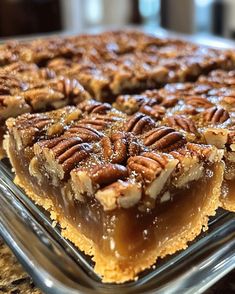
{"points": [[10, 84], [87, 134], [71, 89], [42, 98], [188, 110], [47, 73], [155, 111], [85, 181], [61, 155], [164, 138], [148, 165], [124, 194], [118, 146], [73, 155], [98, 122], [215, 115], [169, 102], [189, 168], [206, 152], [108, 173], [29, 128], [198, 101], [92, 106], [139, 123], [59, 64], [182, 122], [130, 103], [115, 148], [12, 106], [216, 136], [153, 170]]}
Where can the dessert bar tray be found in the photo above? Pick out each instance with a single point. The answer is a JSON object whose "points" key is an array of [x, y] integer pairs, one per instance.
{"points": [[59, 267], [55, 264]]}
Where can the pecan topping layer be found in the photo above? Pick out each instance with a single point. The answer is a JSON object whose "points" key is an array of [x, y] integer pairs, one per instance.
{"points": [[96, 151], [216, 115], [139, 123], [185, 123], [164, 138]]}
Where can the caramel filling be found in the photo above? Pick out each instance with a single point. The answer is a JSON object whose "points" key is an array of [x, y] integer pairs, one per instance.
{"points": [[228, 187]]}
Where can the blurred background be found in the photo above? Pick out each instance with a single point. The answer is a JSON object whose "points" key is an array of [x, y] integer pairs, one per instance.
{"points": [[206, 17]]}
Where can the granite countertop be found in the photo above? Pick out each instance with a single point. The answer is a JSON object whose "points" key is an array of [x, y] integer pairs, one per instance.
{"points": [[14, 279]]}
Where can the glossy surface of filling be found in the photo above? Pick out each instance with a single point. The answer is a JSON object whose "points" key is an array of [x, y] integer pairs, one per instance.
{"points": [[126, 233]]}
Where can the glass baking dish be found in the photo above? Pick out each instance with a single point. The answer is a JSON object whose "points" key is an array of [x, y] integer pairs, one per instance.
{"points": [[57, 266]]}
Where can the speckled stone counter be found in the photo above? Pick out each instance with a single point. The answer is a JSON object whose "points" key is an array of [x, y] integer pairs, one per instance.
{"points": [[13, 278]]}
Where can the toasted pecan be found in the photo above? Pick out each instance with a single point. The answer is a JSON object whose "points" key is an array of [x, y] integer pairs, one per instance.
{"points": [[164, 138], [139, 123], [216, 115]]}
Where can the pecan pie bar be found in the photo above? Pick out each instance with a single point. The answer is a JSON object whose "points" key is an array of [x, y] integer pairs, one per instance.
{"points": [[203, 111], [28, 88], [110, 68], [123, 189], [112, 63], [51, 73]]}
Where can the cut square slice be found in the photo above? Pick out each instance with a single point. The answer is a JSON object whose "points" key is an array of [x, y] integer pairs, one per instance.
{"points": [[202, 111], [123, 190]]}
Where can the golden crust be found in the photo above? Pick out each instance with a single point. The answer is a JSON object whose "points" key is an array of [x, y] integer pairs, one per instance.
{"points": [[228, 204]]}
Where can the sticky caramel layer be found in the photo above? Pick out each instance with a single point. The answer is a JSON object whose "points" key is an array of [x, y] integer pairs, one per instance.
{"points": [[124, 242], [228, 195]]}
